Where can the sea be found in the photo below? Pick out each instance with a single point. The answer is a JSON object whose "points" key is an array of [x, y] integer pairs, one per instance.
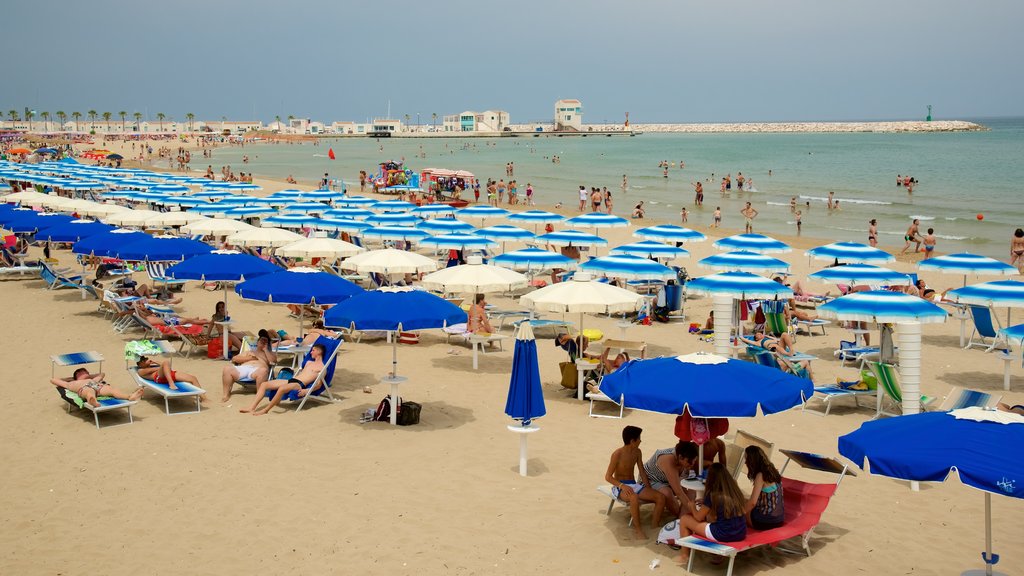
{"points": [[970, 184]]}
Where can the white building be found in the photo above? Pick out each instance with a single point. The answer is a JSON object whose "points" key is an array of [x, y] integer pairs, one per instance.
{"points": [[469, 121], [568, 116]]}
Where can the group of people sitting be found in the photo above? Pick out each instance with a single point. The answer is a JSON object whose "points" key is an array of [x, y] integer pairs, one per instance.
{"points": [[724, 513]]}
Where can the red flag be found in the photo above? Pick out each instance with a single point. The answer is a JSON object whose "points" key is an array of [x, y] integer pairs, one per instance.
{"points": [[330, 153]]}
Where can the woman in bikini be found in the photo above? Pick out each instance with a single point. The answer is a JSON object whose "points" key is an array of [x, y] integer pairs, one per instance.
{"points": [[478, 321], [1017, 248], [782, 347], [89, 387], [873, 232]]}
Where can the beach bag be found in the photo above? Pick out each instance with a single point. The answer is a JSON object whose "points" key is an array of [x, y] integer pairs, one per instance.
{"points": [[383, 412], [716, 427], [215, 348], [409, 413], [569, 374], [408, 338], [669, 534]]}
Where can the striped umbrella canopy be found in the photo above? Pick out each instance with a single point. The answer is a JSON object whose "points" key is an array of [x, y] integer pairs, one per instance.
{"points": [[433, 210], [306, 207], [504, 232], [850, 253], [533, 260], [170, 188], [669, 233], [81, 185], [855, 274], [743, 261], [445, 226], [264, 237], [243, 186], [752, 243], [650, 249], [33, 221], [154, 197], [482, 212], [741, 285], [215, 194], [246, 211], [323, 195], [393, 219], [238, 201], [222, 265], [535, 217], [628, 268], [571, 238], [355, 202], [406, 233], [270, 201], [965, 263], [217, 209], [353, 213], [187, 201], [1002, 293], [458, 242], [288, 221], [596, 220], [298, 286], [118, 194], [392, 206], [882, 306], [290, 193], [340, 225]]}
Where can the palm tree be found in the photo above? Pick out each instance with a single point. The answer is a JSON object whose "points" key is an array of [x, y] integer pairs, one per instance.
{"points": [[76, 116], [46, 118], [190, 116], [13, 115], [160, 116], [123, 115], [28, 116], [106, 119], [278, 120], [138, 121], [63, 117], [407, 118], [92, 118], [434, 118]]}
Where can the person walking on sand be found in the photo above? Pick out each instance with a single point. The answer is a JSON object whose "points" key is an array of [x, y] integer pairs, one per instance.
{"points": [[912, 235], [698, 196], [749, 213], [620, 474], [929, 243], [717, 217], [873, 233]]}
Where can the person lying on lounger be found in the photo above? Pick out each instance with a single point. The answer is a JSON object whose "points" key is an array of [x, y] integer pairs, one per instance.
{"points": [[782, 347], [1017, 409], [246, 365], [156, 320], [89, 387], [161, 373], [301, 382]]}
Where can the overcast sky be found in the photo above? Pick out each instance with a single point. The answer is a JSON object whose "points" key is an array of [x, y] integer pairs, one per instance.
{"points": [[661, 60]]}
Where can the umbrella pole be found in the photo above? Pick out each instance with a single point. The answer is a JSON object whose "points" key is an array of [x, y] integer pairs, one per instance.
{"points": [[722, 305], [394, 354], [700, 459], [909, 336]]}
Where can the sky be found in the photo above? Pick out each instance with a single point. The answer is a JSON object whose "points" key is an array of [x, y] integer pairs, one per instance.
{"points": [[660, 60]]}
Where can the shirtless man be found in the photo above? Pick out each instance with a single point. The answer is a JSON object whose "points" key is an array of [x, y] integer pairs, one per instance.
{"points": [[929, 243], [667, 468], [912, 235], [245, 365], [873, 232], [1017, 248], [91, 386], [831, 200], [698, 194], [624, 485], [309, 372], [161, 373], [596, 199], [749, 213]]}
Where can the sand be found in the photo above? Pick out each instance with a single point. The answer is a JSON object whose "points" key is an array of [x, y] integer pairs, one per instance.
{"points": [[316, 492]]}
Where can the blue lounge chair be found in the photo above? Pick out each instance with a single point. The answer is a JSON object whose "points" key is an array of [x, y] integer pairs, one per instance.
{"points": [[106, 404], [157, 273], [322, 384], [985, 326], [826, 394], [769, 359], [182, 390]]}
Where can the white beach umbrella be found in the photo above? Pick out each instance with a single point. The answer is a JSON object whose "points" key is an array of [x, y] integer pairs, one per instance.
{"points": [[475, 277], [264, 237], [330, 248], [26, 197], [100, 210], [389, 261], [175, 219], [582, 295], [215, 227], [130, 217]]}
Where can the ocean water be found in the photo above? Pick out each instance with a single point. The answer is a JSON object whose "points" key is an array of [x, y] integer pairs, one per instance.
{"points": [[960, 174]]}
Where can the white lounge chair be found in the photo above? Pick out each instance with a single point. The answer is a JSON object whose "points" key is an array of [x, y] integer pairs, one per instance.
{"points": [[74, 400]]}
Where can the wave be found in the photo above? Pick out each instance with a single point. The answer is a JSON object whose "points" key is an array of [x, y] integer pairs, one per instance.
{"points": [[950, 219], [919, 217], [947, 237], [846, 200], [770, 203]]}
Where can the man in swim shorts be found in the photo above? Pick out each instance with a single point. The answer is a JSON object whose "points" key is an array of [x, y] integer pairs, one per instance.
{"points": [[249, 365], [749, 213], [912, 235], [624, 485], [161, 373], [929, 243], [89, 387], [301, 382]]}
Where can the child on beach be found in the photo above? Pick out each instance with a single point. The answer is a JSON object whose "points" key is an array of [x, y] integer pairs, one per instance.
{"points": [[929, 243], [873, 232], [624, 484], [721, 516], [684, 215], [717, 216], [529, 194], [764, 507]]}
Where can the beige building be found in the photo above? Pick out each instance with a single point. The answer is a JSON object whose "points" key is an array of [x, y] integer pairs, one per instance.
{"points": [[568, 116], [469, 121]]}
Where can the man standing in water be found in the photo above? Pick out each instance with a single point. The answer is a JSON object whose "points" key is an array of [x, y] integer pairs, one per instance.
{"points": [[698, 197], [749, 213], [625, 184], [912, 235]]}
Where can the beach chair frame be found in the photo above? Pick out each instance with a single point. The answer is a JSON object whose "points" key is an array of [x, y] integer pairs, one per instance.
{"points": [[108, 405], [184, 391]]}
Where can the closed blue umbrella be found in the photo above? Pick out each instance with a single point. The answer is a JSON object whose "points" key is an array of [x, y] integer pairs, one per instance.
{"points": [[855, 274], [571, 238], [596, 220], [533, 260], [669, 233], [850, 253], [406, 233], [161, 249], [105, 243], [445, 226], [752, 243], [222, 265], [72, 231], [458, 242], [743, 261], [393, 219], [973, 443], [629, 268], [525, 396], [650, 249]]}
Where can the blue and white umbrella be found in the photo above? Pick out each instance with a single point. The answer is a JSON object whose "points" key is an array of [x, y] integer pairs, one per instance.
{"points": [[353, 213], [213, 194], [355, 202], [535, 217], [393, 219], [247, 211], [458, 242], [650, 249], [276, 202], [238, 201], [217, 209], [243, 186], [389, 206], [406, 233], [445, 226], [161, 249], [743, 261], [482, 212], [533, 260], [170, 188], [669, 233], [505, 233], [628, 268], [724, 288], [752, 243], [850, 253], [966, 264], [324, 195], [340, 225], [288, 221], [433, 210], [291, 193], [597, 220], [525, 400], [571, 238], [1001, 293], [857, 274], [306, 208], [972, 443], [187, 201]]}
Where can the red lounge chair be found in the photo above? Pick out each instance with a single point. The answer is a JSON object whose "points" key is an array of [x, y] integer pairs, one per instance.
{"points": [[804, 502]]}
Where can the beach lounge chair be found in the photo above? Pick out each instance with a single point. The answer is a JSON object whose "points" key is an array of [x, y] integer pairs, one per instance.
{"points": [[555, 326], [826, 394], [107, 404], [322, 383], [889, 387], [769, 359], [849, 352], [985, 327], [804, 504], [606, 489], [17, 268], [809, 326], [734, 451], [966, 398], [183, 390], [56, 278], [775, 318], [157, 273]]}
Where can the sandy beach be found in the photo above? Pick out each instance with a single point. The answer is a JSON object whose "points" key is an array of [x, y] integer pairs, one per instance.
{"points": [[317, 492]]}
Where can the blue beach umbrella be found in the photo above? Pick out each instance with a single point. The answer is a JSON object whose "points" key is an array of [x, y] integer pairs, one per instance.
{"points": [[306, 207], [247, 211], [291, 193], [596, 220], [340, 225], [214, 194], [391, 206], [222, 265], [535, 217], [752, 243], [1002, 293], [353, 213], [300, 286], [104, 243], [482, 212], [288, 221], [323, 195], [170, 188], [243, 186], [218, 209], [972, 443], [571, 238], [186, 201], [393, 219], [650, 249], [238, 201], [525, 396], [965, 264], [355, 202], [669, 233], [850, 253], [72, 231], [628, 268], [743, 261], [504, 232], [160, 249], [855, 274], [533, 260], [406, 233], [445, 226], [31, 221], [724, 287], [433, 210], [275, 201], [457, 242]]}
